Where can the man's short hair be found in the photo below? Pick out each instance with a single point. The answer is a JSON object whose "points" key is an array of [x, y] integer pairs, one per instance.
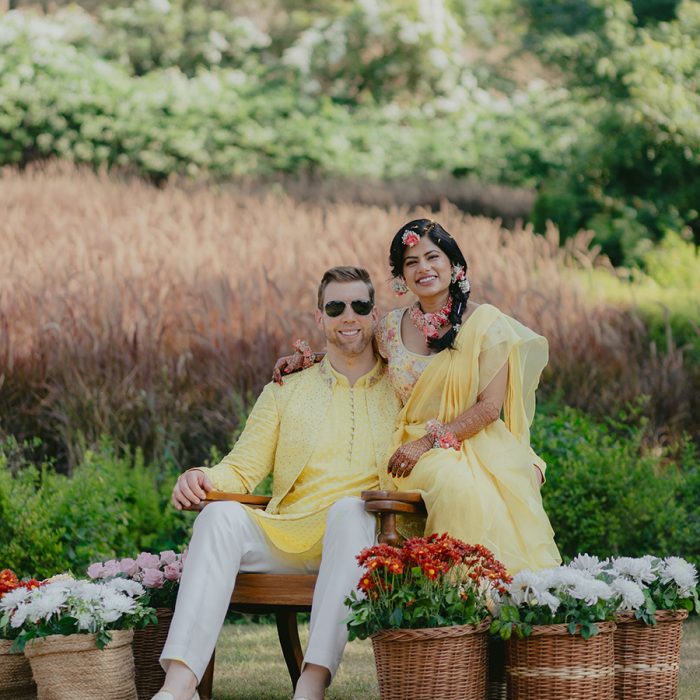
{"points": [[344, 273]]}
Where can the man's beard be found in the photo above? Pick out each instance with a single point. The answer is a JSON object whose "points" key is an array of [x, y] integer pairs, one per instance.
{"points": [[351, 347]]}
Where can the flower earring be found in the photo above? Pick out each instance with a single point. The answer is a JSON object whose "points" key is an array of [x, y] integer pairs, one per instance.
{"points": [[400, 286], [460, 277]]}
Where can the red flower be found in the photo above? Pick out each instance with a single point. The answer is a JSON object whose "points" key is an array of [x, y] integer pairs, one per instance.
{"points": [[8, 581]]}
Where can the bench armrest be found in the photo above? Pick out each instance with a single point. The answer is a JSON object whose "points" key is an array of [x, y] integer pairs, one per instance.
{"points": [[387, 505], [247, 499]]}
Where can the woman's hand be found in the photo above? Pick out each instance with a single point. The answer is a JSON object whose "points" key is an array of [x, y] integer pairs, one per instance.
{"points": [[405, 458], [287, 365]]}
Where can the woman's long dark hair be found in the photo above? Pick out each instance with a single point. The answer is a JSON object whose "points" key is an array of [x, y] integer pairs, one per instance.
{"points": [[443, 240]]}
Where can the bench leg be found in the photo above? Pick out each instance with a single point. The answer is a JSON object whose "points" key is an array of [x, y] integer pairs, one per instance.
{"points": [[206, 685], [288, 633]]}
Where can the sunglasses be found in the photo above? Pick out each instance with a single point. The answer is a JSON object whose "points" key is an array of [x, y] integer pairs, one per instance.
{"points": [[359, 306]]}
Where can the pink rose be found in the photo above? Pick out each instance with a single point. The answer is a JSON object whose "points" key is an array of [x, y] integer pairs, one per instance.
{"points": [[172, 571], [111, 568], [146, 560], [95, 570], [168, 557], [128, 566], [153, 578]]}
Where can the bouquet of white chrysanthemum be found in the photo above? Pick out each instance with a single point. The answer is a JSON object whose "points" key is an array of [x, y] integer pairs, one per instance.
{"points": [[67, 606], [646, 584], [570, 595]]}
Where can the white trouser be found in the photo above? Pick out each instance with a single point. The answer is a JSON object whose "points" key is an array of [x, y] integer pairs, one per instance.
{"points": [[226, 540]]}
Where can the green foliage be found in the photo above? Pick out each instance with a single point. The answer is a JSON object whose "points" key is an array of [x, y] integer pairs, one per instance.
{"points": [[110, 507], [635, 174], [608, 494]]}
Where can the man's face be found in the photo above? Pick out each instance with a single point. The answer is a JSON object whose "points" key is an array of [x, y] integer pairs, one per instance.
{"points": [[349, 332]]}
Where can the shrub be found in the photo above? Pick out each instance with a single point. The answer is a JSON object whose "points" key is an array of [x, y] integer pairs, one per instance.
{"points": [[111, 506], [608, 494]]}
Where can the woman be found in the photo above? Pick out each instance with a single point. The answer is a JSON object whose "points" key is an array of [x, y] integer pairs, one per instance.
{"points": [[456, 365]]}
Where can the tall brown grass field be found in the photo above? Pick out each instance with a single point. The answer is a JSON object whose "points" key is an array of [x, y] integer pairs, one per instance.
{"points": [[154, 315]]}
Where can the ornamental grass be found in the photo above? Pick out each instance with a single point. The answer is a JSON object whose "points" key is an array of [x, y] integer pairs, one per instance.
{"points": [[154, 316]]}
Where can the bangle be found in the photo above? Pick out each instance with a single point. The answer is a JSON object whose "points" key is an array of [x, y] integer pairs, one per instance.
{"points": [[302, 347], [442, 437]]}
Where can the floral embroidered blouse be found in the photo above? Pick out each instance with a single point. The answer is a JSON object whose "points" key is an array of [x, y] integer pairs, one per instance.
{"points": [[405, 366]]}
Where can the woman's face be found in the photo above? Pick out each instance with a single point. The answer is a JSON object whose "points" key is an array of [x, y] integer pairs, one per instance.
{"points": [[426, 269]]}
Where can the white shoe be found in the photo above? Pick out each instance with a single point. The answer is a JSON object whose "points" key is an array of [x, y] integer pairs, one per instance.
{"points": [[166, 695]]}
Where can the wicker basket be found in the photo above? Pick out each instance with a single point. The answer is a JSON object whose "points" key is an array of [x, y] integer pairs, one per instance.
{"points": [[148, 645], [553, 664], [16, 682], [442, 662], [497, 669], [647, 658], [73, 668]]}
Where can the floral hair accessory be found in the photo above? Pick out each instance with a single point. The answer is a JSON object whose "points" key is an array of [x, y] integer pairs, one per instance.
{"points": [[410, 238], [459, 276], [442, 437], [308, 356], [400, 286]]}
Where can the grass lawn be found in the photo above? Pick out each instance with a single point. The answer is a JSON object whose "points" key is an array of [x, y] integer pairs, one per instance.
{"points": [[249, 666]]}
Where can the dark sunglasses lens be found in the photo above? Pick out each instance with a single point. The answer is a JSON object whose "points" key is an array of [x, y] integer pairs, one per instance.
{"points": [[334, 308], [361, 307]]}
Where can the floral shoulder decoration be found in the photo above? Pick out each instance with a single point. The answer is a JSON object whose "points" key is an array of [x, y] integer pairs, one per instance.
{"points": [[434, 581], [63, 605], [589, 591], [159, 574]]}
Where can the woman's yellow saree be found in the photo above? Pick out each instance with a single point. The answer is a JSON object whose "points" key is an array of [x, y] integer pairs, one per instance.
{"points": [[487, 492]]}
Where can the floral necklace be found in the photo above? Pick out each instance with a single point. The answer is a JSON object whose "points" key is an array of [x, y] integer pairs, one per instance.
{"points": [[430, 323]]}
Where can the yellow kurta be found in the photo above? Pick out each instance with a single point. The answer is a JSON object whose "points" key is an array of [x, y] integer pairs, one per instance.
{"points": [[337, 435], [487, 492]]}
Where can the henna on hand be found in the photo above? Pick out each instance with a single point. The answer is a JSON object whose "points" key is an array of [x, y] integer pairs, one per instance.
{"points": [[401, 463]]}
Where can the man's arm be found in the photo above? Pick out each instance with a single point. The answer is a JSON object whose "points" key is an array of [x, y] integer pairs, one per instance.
{"points": [[249, 462]]}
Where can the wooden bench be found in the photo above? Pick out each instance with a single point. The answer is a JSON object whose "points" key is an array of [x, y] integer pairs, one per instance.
{"points": [[285, 595]]}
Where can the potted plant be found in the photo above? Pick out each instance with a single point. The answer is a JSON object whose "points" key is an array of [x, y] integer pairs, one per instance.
{"points": [[159, 574], [426, 607], [77, 636], [563, 644], [654, 597], [16, 680]]}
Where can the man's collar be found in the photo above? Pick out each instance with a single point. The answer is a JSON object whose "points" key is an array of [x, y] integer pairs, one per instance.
{"points": [[331, 376]]}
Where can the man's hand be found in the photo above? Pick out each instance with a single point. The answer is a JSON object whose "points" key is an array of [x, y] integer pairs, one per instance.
{"points": [[191, 488], [404, 459], [287, 365]]}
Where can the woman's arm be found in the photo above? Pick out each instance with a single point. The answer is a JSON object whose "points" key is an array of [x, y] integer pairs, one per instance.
{"points": [[485, 411]]}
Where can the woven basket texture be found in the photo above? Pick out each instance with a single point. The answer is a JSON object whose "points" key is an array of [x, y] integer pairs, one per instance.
{"points": [[448, 663], [497, 669], [73, 668], [148, 644], [647, 658], [552, 664], [16, 682]]}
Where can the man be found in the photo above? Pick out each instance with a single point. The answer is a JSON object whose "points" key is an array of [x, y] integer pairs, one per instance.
{"points": [[324, 436]]}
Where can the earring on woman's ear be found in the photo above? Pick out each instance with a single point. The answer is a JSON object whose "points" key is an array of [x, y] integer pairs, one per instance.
{"points": [[400, 286]]}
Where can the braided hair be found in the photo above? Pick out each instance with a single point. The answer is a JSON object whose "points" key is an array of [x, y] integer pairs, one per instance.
{"points": [[444, 241]]}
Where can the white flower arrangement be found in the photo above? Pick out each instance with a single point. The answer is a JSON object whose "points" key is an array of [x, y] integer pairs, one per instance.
{"points": [[646, 584], [570, 595], [68, 606]]}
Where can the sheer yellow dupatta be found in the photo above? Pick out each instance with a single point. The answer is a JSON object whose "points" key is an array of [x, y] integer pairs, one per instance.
{"points": [[454, 378]]}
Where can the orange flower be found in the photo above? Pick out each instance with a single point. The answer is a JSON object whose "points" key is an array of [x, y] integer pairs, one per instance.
{"points": [[8, 581]]}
